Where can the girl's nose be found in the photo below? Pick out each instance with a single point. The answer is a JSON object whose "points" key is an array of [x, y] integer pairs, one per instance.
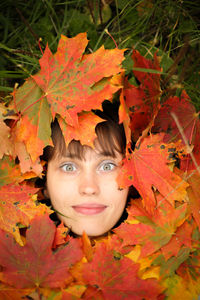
{"points": [[88, 184]]}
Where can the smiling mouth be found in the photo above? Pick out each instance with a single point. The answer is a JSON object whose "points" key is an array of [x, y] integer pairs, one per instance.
{"points": [[89, 208]]}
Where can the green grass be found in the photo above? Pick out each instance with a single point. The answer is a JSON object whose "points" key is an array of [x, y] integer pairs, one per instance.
{"points": [[148, 25]]}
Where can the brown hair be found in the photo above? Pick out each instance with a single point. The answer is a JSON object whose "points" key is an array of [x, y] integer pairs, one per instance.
{"points": [[110, 137]]}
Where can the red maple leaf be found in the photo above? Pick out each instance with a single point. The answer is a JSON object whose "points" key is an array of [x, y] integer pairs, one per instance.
{"points": [[117, 278], [143, 101], [35, 264], [151, 76], [146, 169], [186, 114]]}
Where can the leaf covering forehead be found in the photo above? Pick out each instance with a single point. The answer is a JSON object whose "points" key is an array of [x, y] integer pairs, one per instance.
{"points": [[69, 78]]}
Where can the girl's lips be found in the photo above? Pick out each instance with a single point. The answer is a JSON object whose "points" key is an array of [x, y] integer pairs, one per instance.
{"points": [[89, 208]]}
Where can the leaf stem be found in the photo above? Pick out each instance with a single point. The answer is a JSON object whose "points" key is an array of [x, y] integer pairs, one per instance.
{"points": [[106, 30], [39, 45]]}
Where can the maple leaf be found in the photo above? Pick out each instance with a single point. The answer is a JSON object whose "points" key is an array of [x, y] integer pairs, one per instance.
{"points": [[152, 232], [35, 264], [149, 78], [68, 78], [142, 111], [146, 168], [189, 122], [18, 207], [185, 112], [117, 278], [143, 101], [85, 132]]}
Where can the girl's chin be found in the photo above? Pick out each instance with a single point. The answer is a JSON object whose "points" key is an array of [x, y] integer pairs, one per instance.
{"points": [[89, 232], [88, 225]]}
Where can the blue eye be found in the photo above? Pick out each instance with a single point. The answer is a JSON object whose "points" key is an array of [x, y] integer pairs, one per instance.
{"points": [[68, 167], [107, 166]]}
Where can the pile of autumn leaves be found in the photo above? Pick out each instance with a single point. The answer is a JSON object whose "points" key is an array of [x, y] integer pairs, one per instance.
{"points": [[153, 254]]}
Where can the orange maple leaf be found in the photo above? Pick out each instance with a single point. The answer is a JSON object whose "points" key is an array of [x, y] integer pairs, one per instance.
{"points": [[18, 207], [84, 132], [73, 82]]}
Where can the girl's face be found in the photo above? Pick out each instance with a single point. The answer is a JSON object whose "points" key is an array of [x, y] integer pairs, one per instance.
{"points": [[84, 191]]}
